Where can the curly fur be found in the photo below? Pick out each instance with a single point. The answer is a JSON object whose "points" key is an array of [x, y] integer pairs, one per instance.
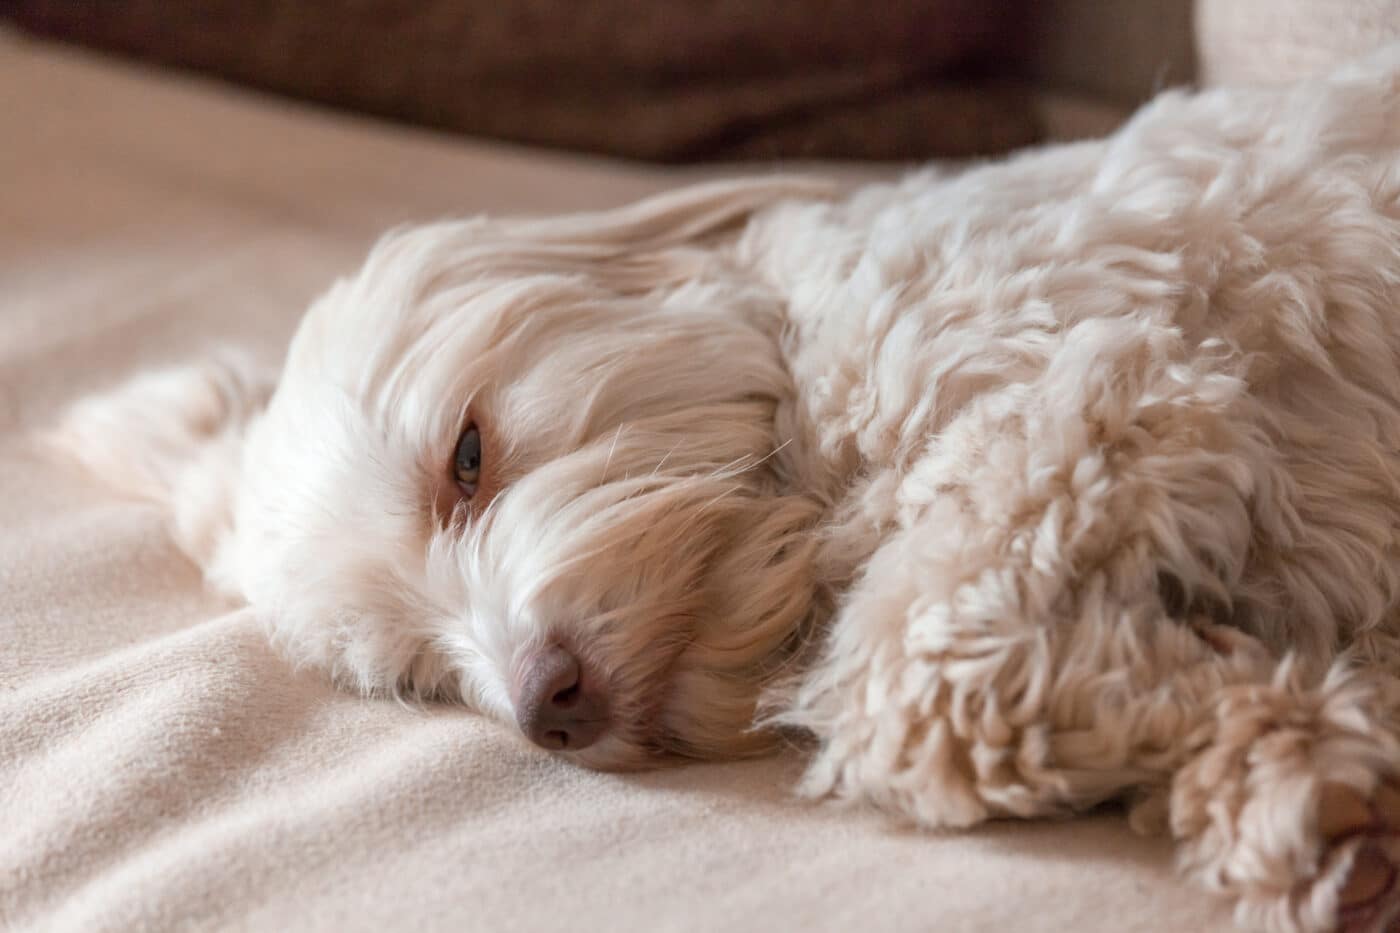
{"points": [[1061, 480]]}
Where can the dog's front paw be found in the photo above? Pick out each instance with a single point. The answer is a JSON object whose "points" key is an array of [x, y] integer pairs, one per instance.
{"points": [[1362, 837], [1292, 808]]}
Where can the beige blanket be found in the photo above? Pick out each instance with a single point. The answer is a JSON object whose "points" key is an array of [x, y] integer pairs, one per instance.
{"points": [[161, 769]]}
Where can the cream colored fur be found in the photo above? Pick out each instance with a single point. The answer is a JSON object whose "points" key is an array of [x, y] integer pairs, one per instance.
{"points": [[1062, 480]]}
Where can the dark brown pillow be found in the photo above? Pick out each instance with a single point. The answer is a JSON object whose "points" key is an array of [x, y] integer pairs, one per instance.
{"points": [[655, 79]]}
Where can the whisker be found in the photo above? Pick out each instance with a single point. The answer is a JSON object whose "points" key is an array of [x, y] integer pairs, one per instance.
{"points": [[611, 450]]}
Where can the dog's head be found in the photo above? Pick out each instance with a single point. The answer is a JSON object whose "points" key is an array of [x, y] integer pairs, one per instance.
{"points": [[535, 466]]}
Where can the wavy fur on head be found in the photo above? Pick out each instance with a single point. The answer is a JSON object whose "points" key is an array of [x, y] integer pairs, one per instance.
{"points": [[1080, 473]]}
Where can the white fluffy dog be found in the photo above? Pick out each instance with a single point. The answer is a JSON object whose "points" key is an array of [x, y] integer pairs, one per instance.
{"points": [[1056, 481]]}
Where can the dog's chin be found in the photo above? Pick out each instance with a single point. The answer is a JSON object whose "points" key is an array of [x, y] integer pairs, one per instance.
{"points": [[617, 753], [700, 716], [637, 750]]}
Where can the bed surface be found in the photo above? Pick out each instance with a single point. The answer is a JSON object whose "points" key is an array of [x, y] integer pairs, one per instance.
{"points": [[160, 768]]}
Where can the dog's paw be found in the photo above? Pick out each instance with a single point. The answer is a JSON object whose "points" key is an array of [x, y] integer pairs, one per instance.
{"points": [[1367, 832]]}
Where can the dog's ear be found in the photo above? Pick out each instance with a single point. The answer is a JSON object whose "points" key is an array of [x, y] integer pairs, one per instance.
{"points": [[654, 242], [174, 437], [679, 216]]}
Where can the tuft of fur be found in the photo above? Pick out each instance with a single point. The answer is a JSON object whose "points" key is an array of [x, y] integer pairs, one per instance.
{"points": [[1060, 480], [173, 437]]}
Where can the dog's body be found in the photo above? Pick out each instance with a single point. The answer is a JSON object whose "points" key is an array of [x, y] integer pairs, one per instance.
{"points": [[1062, 480]]}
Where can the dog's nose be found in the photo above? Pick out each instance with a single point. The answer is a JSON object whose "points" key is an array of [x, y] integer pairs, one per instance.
{"points": [[556, 705]]}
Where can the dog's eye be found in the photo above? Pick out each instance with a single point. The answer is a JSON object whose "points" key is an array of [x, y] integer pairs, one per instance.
{"points": [[466, 462]]}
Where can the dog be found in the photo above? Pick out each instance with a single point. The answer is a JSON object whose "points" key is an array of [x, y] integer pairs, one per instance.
{"points": [[1055, 481]]}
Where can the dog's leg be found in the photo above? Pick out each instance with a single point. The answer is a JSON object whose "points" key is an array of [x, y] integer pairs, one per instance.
{"points": [[1036, 637], [994, 655]]}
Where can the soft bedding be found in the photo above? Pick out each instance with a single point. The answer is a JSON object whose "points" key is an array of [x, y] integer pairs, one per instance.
{"points": [[161, 768]]}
